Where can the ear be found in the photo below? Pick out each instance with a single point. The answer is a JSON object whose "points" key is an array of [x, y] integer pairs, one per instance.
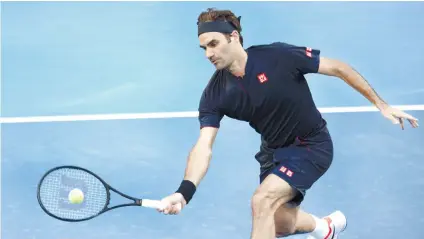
{"points": [[235, 36]]}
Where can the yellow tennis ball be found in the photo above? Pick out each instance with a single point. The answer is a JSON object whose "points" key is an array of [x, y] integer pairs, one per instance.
{"points": [[76, 196]]}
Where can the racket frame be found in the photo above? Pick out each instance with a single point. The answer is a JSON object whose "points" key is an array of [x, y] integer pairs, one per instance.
{"points": [[136, 201]]}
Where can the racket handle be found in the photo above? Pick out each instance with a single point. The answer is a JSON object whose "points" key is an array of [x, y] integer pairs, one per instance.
{"points": [[156, 204]]}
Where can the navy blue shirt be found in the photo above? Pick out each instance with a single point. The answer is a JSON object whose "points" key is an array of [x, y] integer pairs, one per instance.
{"points": [[273, 95]]}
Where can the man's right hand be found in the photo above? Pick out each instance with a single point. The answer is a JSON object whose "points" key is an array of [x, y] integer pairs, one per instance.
{"points": [[173, 204]]}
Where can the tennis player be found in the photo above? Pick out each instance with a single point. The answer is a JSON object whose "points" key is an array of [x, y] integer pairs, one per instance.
{"points": [[265, 85]]}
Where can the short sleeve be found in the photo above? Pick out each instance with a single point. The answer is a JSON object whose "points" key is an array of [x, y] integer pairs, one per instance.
{"points": [[209, 114], [305, 59]]}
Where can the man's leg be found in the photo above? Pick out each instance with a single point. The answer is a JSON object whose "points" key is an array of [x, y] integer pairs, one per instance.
{"points": [[273, 216], [270, 195], [294, 170], [291, 220]]}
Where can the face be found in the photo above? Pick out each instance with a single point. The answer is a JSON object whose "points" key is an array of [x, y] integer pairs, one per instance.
{"points": [[217, 49]]}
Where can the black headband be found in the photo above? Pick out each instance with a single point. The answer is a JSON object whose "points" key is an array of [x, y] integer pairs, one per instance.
{"points": [[216, 26]]}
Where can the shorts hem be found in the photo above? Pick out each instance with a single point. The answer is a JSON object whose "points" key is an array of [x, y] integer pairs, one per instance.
{"points": [[300, 192]]}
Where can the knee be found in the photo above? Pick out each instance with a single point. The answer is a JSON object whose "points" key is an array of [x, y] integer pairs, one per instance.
{"points": [[271, 194], [263, 202]]}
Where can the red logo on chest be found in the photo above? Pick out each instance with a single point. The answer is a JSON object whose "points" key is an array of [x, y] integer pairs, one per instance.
{"points": [[262, 78]]}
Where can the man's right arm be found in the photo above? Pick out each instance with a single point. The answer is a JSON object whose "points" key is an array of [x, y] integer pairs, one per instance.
{"points": [[201, 154], [197, 166], [199, 157]]}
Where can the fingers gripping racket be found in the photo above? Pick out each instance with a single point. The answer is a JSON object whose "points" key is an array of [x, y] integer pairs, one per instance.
{"points": [[71, 193]]}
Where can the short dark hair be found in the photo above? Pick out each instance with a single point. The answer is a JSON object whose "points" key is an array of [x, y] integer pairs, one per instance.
{"points": [[212, 14]]}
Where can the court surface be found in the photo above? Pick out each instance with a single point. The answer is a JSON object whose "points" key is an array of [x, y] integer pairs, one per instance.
{"points": [[111, 58]]}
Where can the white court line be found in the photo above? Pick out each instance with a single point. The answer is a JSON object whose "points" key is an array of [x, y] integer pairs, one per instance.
{"points": [[186, 114]]}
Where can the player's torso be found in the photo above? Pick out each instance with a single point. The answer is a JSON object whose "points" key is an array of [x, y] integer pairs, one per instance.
{"points": [[273, 96], [268, 89]]}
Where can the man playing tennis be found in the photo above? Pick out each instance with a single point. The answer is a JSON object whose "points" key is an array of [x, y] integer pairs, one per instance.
{"points": [[265, 86]]}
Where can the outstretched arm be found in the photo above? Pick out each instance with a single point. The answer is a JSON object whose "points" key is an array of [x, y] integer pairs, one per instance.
{"points": [[343, 71], [308, 60], [197, 165], [200, 156]]}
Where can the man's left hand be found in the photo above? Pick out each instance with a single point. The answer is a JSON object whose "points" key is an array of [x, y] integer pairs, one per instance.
{"points": [[398, 116]]}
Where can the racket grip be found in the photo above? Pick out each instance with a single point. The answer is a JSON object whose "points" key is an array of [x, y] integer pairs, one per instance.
{"points": [[156, 204]]}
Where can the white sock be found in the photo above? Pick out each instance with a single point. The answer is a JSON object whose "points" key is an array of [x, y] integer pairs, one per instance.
{"points": [[321, 228]]}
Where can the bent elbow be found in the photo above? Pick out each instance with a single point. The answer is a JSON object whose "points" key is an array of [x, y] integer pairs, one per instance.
{"points": [[339, 68], [342, 69], [333, 67]]}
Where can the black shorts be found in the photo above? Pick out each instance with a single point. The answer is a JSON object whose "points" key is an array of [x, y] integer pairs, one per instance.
{"points": [[300, 164]]}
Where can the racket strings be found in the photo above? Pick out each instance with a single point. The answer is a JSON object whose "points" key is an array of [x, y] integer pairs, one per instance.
{"points": [[55, 188]]}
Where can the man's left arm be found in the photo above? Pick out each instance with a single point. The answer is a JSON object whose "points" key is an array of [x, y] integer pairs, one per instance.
{"points": [[309, 60], [345, 72], [332, 67]]}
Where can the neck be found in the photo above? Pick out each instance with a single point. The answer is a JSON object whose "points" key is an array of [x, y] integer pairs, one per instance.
{"points": [[238, 67]]}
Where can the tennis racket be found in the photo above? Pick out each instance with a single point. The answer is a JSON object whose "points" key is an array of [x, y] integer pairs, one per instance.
{"points": [[56, 184]]}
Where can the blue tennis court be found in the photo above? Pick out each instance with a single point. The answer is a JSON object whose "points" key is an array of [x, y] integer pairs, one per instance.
{"points": [[137, 57]]}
